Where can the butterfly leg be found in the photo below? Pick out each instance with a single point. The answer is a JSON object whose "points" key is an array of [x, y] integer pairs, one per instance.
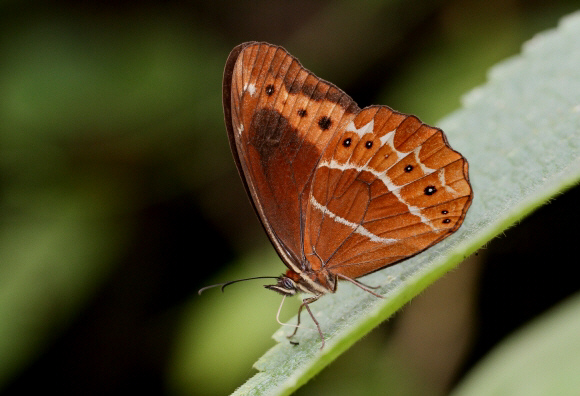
{"points": [[297, 323], [369, 286], [361, 285], [305, 305]]}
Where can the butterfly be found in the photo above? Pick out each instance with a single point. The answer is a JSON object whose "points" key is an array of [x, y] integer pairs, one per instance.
{"points": [[341, 191]]}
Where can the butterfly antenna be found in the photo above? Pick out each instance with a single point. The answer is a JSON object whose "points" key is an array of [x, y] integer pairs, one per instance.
{"points": [[223, 285]]}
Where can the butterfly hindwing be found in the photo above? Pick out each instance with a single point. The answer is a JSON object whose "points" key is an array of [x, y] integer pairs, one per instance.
{"points": [[387, 187]]}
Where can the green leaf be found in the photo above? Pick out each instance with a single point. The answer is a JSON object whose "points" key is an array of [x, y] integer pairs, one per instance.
{"points": [[521, 135], [541, 359]]}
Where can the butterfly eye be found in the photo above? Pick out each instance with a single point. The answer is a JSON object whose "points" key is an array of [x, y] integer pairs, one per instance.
{"points": [[444, 212], [287, 283], [408, 168], [369, 144], [347, 142], [446, 221]]}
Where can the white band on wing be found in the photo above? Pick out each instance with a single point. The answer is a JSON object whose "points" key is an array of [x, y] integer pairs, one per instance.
{"points": [[357, 228]]}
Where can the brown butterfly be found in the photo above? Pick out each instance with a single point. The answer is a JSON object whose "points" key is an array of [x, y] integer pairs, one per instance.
{"points": [[341, 192]]}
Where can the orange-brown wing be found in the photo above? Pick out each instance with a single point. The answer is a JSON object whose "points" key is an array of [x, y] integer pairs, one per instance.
{"points": [[280, 119], [387, 188]]}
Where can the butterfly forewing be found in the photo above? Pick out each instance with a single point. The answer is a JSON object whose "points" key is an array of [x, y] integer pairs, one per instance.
{"points": [[280, 119], [387, 187]]}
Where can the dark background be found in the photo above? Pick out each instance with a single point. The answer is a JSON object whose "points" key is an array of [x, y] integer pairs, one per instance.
{"points": [[119, 198]]}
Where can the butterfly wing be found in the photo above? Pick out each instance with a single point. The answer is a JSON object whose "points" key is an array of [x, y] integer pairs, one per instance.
{"points": [[280, 119], [387, 188]]}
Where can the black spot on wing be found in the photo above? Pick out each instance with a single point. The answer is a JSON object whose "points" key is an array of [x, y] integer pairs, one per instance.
{"points": [[324, 123]]}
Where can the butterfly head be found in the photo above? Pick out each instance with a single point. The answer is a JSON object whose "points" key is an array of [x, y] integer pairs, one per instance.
{"points": [[292, 283], [284, 285]]}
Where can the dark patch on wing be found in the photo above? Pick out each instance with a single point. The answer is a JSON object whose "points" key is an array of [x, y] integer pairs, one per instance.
{"points": [[271, 133], [318, 92]]}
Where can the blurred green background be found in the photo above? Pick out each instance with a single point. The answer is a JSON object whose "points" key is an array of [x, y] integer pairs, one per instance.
{"points": [[119, 198]]}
